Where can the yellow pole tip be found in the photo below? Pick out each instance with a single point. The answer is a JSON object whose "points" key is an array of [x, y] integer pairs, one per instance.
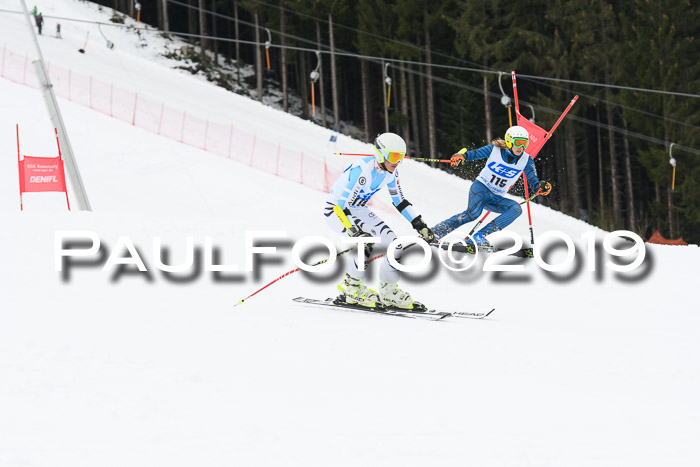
{"points": [[462, 151]]}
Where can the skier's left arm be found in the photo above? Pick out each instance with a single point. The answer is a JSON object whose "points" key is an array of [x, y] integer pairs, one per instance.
{"points": [[534, 183], [407, 211]]}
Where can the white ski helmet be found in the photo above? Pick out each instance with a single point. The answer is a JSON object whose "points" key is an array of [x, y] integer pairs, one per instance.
{"points": [[389, 146], [516, 132]]}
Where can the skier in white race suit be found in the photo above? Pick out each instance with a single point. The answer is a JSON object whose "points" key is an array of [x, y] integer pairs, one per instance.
{"points": [[347, 204]]}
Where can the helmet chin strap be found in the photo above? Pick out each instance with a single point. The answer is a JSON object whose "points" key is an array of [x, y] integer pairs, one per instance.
{"points": [[382, 166]]}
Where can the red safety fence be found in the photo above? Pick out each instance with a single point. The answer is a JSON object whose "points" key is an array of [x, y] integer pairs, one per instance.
{"points": [[222, 139]]}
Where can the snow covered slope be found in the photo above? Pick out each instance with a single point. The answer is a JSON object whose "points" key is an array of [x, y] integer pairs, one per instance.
{"points": [[575, 368]]}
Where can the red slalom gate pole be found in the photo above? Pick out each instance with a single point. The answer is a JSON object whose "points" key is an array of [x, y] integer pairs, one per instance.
{"points": [[478, 223], [529, 215], [58, 143], [561, 117], [515, 92], [19, 163]]}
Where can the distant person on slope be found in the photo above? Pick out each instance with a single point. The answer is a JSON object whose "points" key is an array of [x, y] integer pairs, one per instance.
{"points": [[346, 205], [39, 19], [58, 30], [507, 159]]}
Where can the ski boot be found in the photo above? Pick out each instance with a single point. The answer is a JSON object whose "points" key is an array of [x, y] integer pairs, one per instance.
{"points": [[354, 292], [478, 241], [393, 297]]}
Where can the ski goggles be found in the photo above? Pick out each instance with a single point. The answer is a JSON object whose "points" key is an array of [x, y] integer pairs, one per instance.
{"points": [[518, 142], [521, 143], [391, 156]]}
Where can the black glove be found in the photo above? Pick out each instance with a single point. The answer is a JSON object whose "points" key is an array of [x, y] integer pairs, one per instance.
{"points": [[356, 231], [423, 229], [545, 188]]}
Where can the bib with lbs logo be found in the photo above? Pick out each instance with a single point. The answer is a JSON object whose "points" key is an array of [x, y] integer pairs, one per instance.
{"points": [[499, 175]]}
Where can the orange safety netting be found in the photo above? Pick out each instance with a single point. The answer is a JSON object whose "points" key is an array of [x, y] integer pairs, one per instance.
{"points": [[657, 238]]}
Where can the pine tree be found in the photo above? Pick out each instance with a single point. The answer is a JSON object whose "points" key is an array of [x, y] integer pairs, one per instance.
{"points": [[661, 41]]}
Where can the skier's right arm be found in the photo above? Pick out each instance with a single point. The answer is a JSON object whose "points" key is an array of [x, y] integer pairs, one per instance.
{"points": [[473, 155]]}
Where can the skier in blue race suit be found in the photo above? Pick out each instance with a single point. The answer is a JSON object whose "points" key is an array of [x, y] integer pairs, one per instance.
{"points": [[507, 159]]}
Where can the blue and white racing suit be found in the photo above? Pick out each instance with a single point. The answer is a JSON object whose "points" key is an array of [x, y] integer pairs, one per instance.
{"points": [[352, 191], [487, 192]]}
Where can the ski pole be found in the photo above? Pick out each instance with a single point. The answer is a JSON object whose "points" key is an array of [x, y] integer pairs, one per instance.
{"points": [[422, 159], [407, 157], [240, 302], [82, 51], [539, 192]]}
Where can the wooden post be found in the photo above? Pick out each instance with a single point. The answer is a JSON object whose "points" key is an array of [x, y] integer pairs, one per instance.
{"points": [[166, 24]]}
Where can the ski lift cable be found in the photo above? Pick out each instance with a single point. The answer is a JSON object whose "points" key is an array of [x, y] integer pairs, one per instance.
{"points": [[547, 110], [626, 107], [436, 78], [379, 59], [480, 70]]}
